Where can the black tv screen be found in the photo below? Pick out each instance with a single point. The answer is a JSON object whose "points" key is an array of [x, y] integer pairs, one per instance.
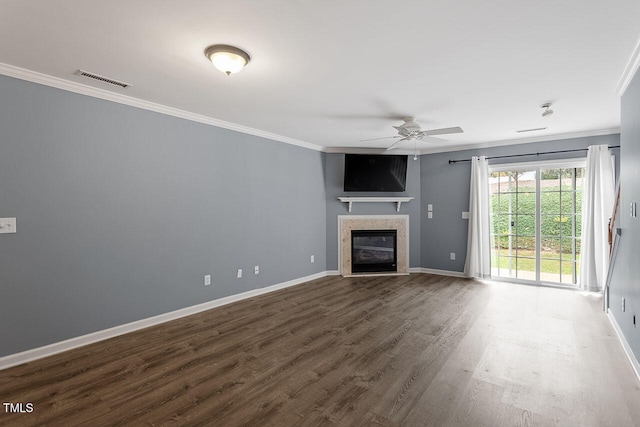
{"points": [[375, 172]]}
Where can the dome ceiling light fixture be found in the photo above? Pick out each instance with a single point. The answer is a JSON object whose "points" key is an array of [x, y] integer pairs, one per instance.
{"points": [[228, 59], [547, 109]]}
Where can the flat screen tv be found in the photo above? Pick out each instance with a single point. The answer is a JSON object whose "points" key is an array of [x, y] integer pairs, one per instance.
{"points": [[375, 172]]}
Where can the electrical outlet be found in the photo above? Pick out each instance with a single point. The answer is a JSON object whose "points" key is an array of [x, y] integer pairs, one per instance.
{"points": [[7, 225], [256, 269], [207, 280], [239, 273], [453, 256], [313, 258]]}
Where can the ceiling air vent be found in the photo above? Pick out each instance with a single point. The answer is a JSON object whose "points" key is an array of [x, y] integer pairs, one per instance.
{"points": [[530, 130], [102, 79]]}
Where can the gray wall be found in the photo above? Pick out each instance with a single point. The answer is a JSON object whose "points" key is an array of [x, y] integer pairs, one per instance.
{"points": [[446, 186], [121, 212], [334, 189], [625, 280]]}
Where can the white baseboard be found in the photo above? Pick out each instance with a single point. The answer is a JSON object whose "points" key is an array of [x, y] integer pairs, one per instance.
{"points": [[627, 349], [59, 347], [438, 272]]}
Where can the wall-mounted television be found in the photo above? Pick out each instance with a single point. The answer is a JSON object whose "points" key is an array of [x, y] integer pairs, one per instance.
{"points": [[375, 172]]}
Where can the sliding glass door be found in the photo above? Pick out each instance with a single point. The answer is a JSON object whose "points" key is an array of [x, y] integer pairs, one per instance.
{"points": [[535, 221]]}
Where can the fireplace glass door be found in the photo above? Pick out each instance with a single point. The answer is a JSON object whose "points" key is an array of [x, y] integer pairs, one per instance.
{"points": [[373, 251]]}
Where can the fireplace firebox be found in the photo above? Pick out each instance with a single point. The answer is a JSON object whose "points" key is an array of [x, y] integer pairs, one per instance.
{"points": [[374, 251]]}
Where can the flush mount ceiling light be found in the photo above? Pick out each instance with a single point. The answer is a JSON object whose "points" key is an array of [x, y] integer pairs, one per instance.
{"points": [[547, 109], [228, 59]]}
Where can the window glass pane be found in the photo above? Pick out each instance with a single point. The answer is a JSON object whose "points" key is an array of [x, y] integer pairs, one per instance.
{"points": [[567, 272], [526, 268], [549, 179], [549, 270], [494, 261], [525, 225], [550, 202], [526, 181], [566, 179], [495, 243], [503, 240], [506, 183], [567, 247], [527, 245], [526, 203], [566, 202], [500, 225], [506, 203], [566, 225], [550, 247], [550, 225], [495, 204], [507, 266], [579, 202]]}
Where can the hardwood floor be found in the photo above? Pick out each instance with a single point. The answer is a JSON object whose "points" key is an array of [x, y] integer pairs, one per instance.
{"points": [[415, 350]]}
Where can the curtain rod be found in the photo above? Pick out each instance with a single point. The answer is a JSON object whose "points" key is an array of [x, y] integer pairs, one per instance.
{"points": [[529, 154]]}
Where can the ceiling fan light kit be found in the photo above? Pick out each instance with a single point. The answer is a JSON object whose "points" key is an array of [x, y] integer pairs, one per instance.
{"points": [[228, 59], [408, 127], [411, 131]]}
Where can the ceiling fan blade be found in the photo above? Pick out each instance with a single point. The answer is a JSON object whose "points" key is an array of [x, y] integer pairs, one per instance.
{"points": [[376, 139], [443, 131], [394, 145]]}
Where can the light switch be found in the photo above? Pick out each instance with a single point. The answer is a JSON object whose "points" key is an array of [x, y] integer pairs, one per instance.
{"points": [[465, 215], [430, 207], [7, 225]]}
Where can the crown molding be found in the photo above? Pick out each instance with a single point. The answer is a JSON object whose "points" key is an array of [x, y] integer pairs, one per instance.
{"points": [[362, 150], [475, 146], [629, 71], [491, 144], [82, 89]]}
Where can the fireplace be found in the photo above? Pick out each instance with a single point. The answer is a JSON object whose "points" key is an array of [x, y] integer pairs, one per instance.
{"points": [[376, 223], [374, 251]]}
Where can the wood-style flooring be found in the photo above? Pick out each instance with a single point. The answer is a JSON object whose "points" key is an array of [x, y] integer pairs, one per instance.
{"points": [[416, 350]]}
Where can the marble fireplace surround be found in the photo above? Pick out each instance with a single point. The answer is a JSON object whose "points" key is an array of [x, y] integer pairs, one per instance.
{"points": [[346, 223]]}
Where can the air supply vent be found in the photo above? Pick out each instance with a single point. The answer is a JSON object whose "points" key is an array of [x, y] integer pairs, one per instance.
{"points": [[102, 79], [530, 130]]}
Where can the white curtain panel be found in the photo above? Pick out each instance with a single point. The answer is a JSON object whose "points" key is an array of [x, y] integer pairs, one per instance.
{"points": [[597, 206], [478, 262]]}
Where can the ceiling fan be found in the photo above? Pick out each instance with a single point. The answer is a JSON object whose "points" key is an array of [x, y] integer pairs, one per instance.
{"points": [[410, 130]]}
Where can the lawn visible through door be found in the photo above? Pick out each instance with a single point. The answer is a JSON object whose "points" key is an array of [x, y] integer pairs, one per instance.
{"points": [[536, 222]]}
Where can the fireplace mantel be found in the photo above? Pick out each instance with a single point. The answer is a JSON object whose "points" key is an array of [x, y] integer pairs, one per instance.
{"points": [[398, 200]]}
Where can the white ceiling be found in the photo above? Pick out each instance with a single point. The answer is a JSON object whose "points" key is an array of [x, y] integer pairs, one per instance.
{"points": [[332, 73]]}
